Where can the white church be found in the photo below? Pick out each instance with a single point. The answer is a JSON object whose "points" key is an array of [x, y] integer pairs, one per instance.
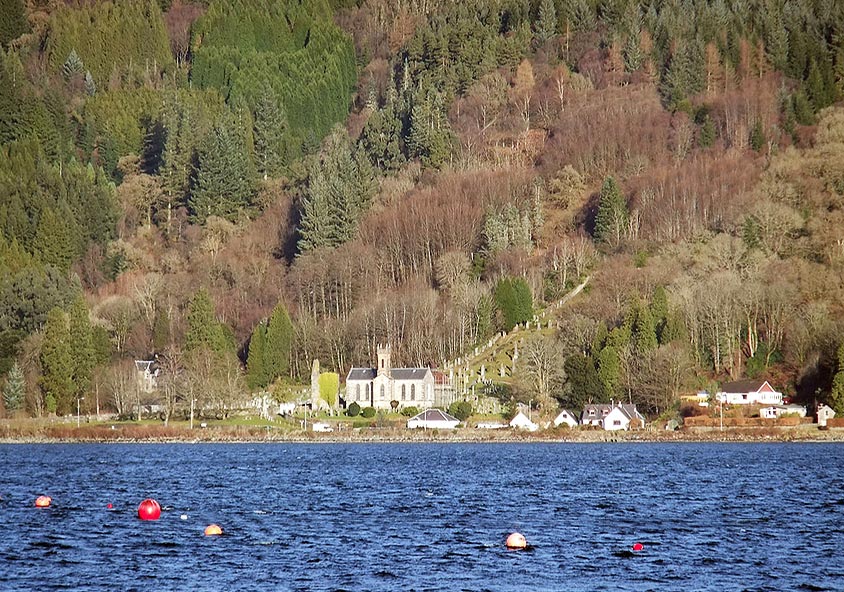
{"points": [[376, 387]]}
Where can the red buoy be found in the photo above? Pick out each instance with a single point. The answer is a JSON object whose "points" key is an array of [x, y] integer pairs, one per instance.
{"points": [[149, 510], [213, 529], [43, 501], [638, 546], [516, 541], [108, 506]]}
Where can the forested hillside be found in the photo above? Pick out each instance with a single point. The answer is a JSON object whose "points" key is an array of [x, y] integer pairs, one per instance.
{"points": [[237, 187]]}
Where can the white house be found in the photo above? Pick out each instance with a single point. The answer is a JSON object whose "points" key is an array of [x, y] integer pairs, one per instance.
{"points": [[775, 411], [147, 374], [523, 422], [825, 412], [749, 392], [376, 387], [433, 419], [617, 416], [565, 417], [320, 426]]}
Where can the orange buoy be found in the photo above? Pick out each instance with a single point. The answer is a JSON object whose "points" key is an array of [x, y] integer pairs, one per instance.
{"points": [[516, 541], [43, 501], [149, 510], [638, 546], [213, 529]]}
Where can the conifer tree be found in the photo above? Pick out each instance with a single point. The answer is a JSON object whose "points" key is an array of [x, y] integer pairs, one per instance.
{"points": [[54, 242], [14, 390], [82, 346], [57, 363], [546, 22], [644, 331], [279, 342], [256, 376], [204, 331], [269, 130], [381, 138], [13, 21], [609, 370], [225, 179], [612, 216], [836, 396]]}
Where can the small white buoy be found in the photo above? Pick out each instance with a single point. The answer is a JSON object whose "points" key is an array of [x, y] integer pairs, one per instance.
{"points": [[184, 516]]}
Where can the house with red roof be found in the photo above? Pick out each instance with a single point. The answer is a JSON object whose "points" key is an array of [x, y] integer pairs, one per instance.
{"points": [[749, 392]]}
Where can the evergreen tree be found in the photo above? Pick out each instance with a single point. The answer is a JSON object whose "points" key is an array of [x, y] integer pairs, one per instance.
{"points": [[684, 74], [609, 370], [586, 385], [381, 138], [256, 376], [644, 331], [204, 331], [659, 311], [90, 85], [13, 21], [57, 363], [225, 176], [54, 242], [836, 396], [279, 342], [14, 390], [816, 88], [73, 65], [757, 136], [431, 138], [269, 130], [612, 216], [82, 346], [706, 136], [803, 111], [546, 22], [514, 302]]}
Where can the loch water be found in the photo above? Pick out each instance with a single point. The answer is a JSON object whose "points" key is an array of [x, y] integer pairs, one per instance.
{"points": [[414, 517]]}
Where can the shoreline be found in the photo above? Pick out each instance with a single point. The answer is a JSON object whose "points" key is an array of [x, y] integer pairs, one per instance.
{"points": [[463, 436]]}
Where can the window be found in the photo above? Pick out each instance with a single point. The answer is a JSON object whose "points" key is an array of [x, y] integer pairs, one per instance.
{"points": [[591, 412], [357, 392], [382, 362], [616, 422], [403, 393], [412, 392], [383, 391]]}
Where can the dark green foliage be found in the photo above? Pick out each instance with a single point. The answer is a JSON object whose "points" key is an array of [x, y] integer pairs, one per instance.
{"points": [[612, 217], [757, 136], [270, 132], [14, 390], [585, 384], [431, 138], [684, 74], [54, 241], [225, 176], [82, 346], [836, 396], [514, 302], [381, 139], [368, 412], [340, 188], [279, 342], [13, 21], [410, 411], [292, 47], [26, 296], [353, 410], [706, 135], [256, 374], [57, 362], [125, 39], [461, 410], [644, 331], [546, 21], [204, 331], [803, 112], [609, 370]]}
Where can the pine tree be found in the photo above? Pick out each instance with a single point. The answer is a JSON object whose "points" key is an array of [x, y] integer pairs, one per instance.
{"points": [[57, 362], [54, 242], [609, 370], [706, 136], [836, 396], [90, 85], [14, 390], [612, 216], [225, 179], [546, 23], [82, 346], [644, 331], [270, 131], [72, 65], [278, 345], [204, 331], [381, 138], [757, 136], [13, 21], [256, 376]]}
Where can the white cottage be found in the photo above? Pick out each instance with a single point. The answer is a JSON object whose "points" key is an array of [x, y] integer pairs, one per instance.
{"points": [[523, 422], [565, 417], [749, 392], [617, 416], [433, 419], [376, 387], [776, 411], [825, 413]]}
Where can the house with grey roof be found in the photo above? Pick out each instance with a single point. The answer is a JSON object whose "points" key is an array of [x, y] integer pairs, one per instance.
{"points": [[433, 419], [376, 387], [613, 416]]}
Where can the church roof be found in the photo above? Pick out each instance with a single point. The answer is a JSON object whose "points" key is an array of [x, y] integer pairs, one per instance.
{"points": [[395, 373], [361, 374]]}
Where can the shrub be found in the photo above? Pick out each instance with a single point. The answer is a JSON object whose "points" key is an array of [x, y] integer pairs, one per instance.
{"points": [[461, 410], [353, 410], [368, 412], [409, 411]]}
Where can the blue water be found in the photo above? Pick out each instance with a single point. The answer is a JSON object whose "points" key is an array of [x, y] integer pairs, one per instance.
{"points": [[393, 517]]}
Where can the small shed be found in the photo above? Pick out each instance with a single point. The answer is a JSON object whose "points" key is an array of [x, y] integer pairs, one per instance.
{"points": [[523, 422], [776, 411], [565, 417], [433, 419], [825, 412]]}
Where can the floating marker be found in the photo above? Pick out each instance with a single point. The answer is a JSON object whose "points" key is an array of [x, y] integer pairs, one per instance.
{"points": [[516, 541], [43, 501], [149, 510], [212, 530], [638, 546], [109, 506], [184, 516]]}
